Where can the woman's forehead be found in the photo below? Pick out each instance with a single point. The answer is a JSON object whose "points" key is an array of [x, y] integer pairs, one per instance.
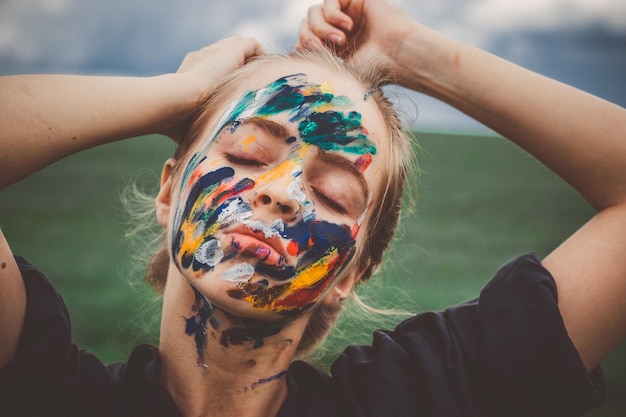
{"points": [[320, 106]]}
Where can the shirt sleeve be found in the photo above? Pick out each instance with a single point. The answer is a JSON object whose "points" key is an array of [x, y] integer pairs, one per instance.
{"points": [[48, 372], [506, 353]]}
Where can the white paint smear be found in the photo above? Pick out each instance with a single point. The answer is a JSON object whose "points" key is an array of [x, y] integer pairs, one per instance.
{"points": [[235, 211], [210, 253], [239, 273], [273, 230]]}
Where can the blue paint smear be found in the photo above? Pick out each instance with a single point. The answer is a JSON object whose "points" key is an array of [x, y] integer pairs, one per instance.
{"points": [[327, 236], [205, 185], [269, 379], [196, 325]]}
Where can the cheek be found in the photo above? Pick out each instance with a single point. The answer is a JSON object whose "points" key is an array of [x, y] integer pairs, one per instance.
{"points": [[210, 202]]}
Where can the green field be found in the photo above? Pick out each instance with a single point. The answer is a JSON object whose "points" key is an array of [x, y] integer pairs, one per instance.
{"points": [[481, 201]]}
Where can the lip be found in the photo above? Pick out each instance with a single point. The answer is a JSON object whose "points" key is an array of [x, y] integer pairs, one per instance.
{"points": [[269, 251]]}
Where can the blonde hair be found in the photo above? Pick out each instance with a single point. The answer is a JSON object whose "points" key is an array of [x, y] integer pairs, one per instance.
{"points": [[383, 215]]}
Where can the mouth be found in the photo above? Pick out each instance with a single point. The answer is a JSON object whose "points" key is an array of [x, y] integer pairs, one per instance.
{"points": [[267, 251]]}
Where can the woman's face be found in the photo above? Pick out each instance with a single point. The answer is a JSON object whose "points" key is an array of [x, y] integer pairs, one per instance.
{"points": [[271, 204]]}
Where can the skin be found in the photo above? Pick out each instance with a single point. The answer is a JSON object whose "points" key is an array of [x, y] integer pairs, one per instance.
{"points": [[48, 117], [247, 339], [579, 136]]}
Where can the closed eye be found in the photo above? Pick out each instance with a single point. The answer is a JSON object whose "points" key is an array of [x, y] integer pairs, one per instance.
{"points": [[244, 161], [329, 202]]}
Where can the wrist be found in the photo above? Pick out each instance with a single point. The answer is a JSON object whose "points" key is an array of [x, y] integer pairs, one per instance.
{"points": [[179, 99], [428, 61]]}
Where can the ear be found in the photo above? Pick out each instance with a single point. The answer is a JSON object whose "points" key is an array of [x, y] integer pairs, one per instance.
{"points": [[164, 198]]}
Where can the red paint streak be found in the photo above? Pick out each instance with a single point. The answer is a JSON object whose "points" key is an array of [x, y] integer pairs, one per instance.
{"points": [[303, 296], [223, 192], [363, 162], [355, 230], [194, 176]]}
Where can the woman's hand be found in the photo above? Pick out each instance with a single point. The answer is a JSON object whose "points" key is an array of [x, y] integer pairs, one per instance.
{"points": [[45, 118], [366, 30], [202, 70]]}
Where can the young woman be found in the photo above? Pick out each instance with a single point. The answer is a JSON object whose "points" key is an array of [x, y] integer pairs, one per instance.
{"points": [[282, 195]]}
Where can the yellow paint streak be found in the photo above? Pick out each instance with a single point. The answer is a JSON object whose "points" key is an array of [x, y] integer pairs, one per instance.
{"points": [[192, 236], [321, 108], [312, 275], [286, 168], [280, 171], [247, 142], [327, 88], [305, 279]]}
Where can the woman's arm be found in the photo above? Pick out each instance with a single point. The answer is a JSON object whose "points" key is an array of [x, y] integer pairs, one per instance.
{"points": [[47, 117], [12, 305], [580, 137]]}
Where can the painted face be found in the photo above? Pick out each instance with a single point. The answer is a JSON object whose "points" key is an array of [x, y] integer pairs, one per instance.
{"points": [[273, 202]]}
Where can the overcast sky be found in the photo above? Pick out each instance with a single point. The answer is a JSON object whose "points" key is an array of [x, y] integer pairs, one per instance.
{"points": [[581, 42]]}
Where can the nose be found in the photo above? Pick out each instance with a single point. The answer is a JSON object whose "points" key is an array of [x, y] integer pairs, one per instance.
{"points": [[276, 201]]}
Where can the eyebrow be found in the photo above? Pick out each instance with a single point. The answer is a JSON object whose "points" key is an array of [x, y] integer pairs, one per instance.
{"points": [[279, 131], [348, 166], [270, 127]]}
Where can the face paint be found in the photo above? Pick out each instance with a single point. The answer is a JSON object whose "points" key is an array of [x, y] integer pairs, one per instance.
{"points": [[272, 378], [363, 162], [196, 325], [203, 322], [216, 201]]}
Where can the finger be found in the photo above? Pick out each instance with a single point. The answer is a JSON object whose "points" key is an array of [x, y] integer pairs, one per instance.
{"points": [[333, 11], [355, 10], [252, 48], [306, 38], [320, 28]]}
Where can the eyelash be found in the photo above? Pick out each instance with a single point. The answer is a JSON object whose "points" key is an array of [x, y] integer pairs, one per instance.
{"points": [[243, 161], [328, 202]]}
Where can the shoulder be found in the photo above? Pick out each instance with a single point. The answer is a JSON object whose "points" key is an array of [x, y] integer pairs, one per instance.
{"points": [[63, 378], [494, 355]]}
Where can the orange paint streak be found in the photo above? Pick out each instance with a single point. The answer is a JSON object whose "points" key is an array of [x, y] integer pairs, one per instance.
{"points": [[292, 248]]}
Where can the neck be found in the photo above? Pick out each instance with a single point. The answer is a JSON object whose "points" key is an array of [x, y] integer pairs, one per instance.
{"points": [[213, 364]]}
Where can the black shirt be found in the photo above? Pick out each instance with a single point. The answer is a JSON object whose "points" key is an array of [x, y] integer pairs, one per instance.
{"points": [[506, 353]]}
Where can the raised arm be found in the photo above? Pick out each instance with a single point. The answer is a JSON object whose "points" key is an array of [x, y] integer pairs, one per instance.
{"points": [[580, 137], [47, 117]]}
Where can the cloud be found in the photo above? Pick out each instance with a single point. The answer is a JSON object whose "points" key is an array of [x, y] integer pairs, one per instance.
{"points": [[578, 41], [278, 28], [507, 15]]}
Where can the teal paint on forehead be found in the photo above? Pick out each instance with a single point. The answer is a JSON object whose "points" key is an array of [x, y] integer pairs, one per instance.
{"points": [[320, 123], [332, 131]]}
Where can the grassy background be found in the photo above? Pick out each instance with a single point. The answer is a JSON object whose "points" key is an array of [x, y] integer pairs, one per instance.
{"points": [[481, 202]]}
